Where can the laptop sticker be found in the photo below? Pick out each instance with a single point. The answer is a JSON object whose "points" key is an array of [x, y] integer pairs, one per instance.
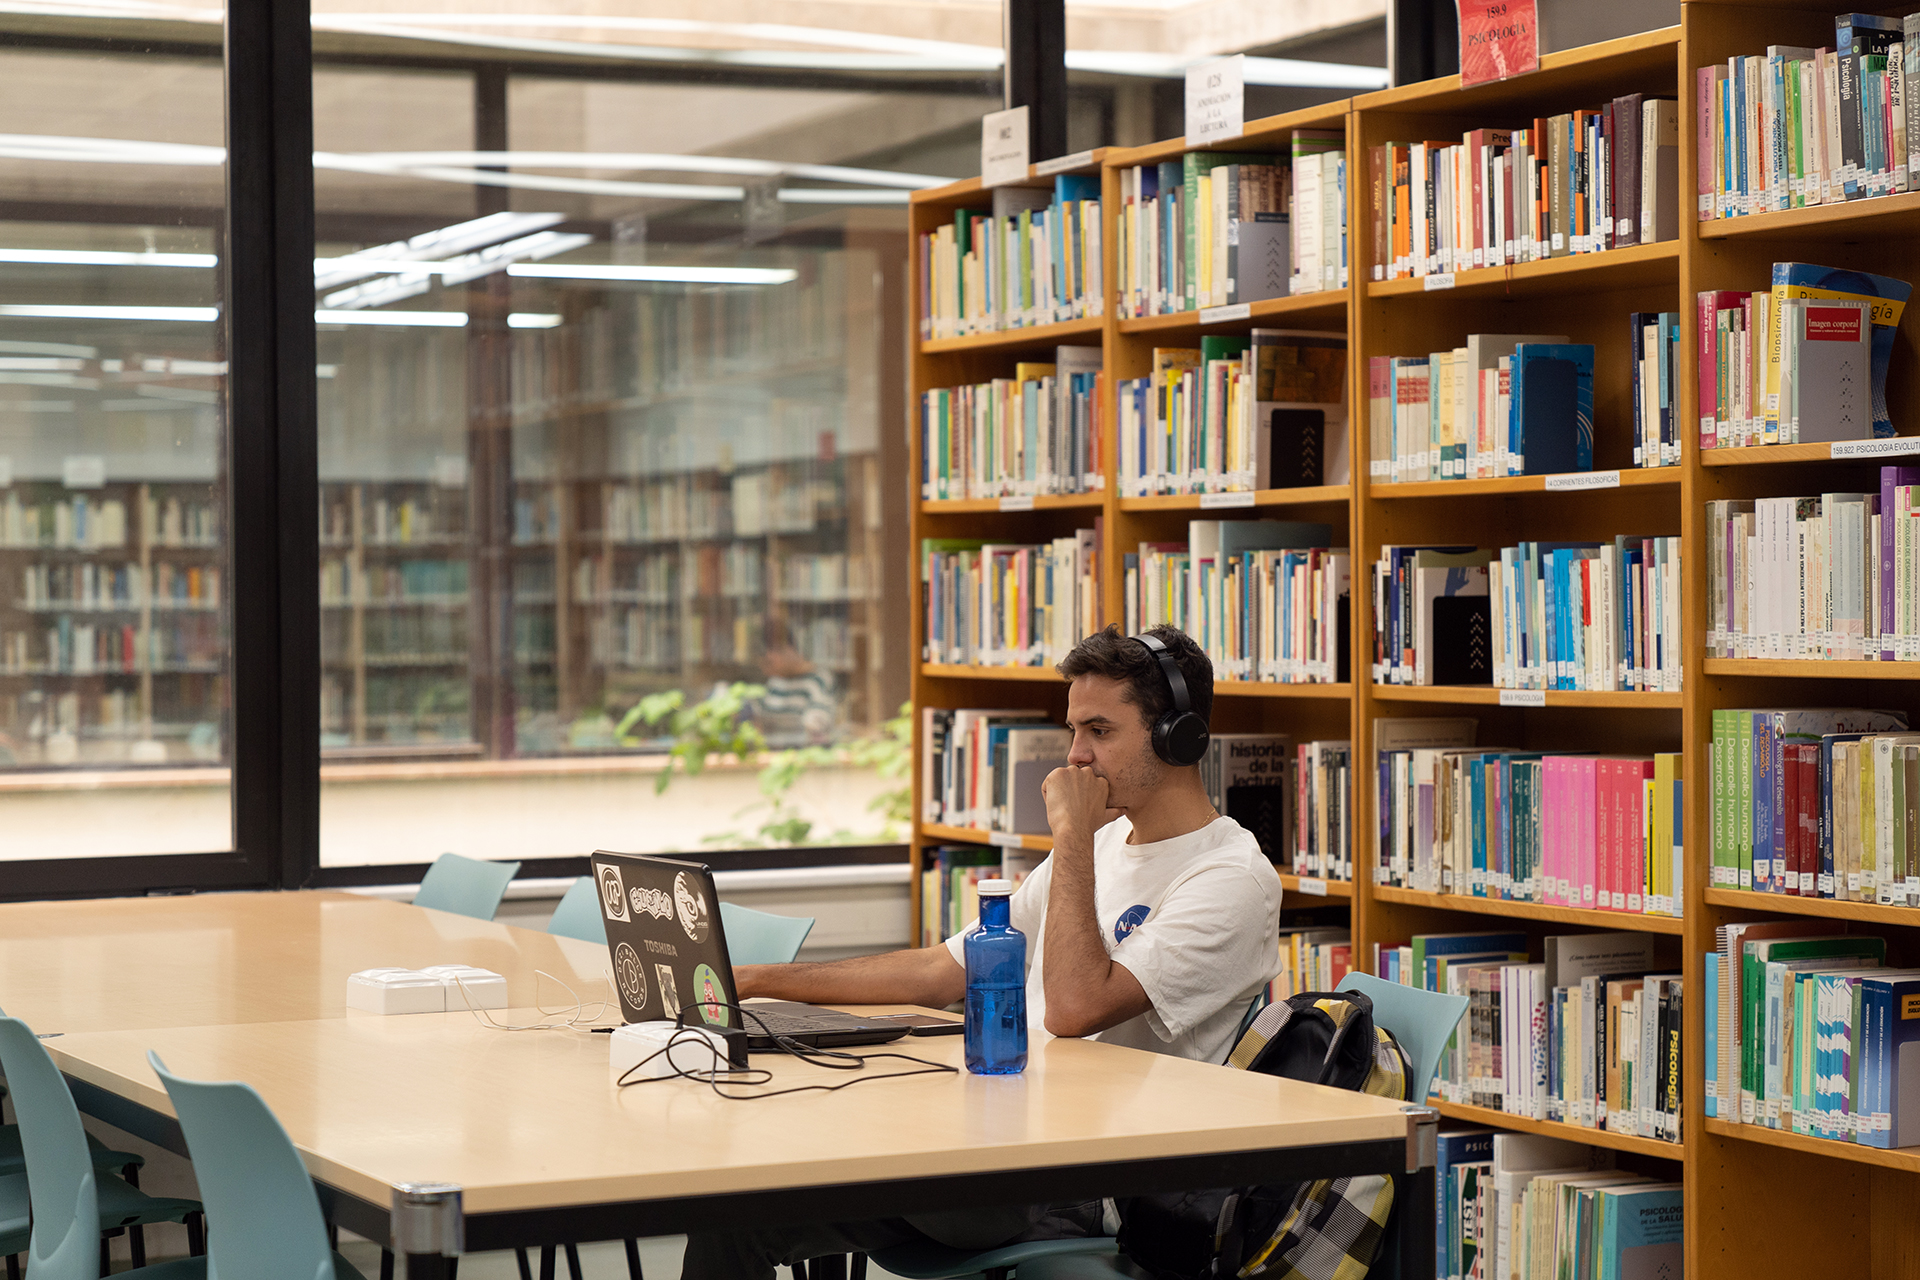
{"points": [[631, 975], [669, 991], [613, 894], [652, 902], [692, 906], [707, 989]]}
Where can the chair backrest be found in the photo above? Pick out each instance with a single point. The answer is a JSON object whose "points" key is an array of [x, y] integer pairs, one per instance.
{"points": [[464, 886], [263, 1216], [578, 915], [66, 1200], [1420, 1020], [759, 937]]}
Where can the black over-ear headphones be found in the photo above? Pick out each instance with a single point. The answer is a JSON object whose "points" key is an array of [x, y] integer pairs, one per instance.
{"points": [[1179, 736]]}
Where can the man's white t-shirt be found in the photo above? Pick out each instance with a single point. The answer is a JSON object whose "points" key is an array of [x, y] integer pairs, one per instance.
{"points": [[1195, 919]]}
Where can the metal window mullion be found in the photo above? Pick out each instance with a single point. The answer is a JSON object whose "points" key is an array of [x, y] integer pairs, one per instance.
{"points": [[272, 438]]}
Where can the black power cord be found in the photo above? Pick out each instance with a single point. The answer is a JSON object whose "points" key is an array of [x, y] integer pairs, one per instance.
{"points": [[753, 1077]]}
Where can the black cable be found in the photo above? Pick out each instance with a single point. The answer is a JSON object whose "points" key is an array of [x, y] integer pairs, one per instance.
{"points": [[833, 1059]]}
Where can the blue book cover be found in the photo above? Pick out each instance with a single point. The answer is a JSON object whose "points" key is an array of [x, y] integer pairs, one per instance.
{"points": [[1551, 406], [1669, 350], [1713, 1032], [1471, 1146], [1887, 1036], [1888, 298], [1428, 947], [1642, 1229]]}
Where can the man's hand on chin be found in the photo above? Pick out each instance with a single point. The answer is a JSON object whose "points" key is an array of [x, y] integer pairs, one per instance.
{"points": [[1076, 804]]}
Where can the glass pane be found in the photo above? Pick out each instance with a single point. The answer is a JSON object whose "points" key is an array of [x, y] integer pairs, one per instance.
{"points": [[622, 436], [115, 720]]}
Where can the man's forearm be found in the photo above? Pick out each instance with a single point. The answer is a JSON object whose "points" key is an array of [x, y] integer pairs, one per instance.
{"points": [[1085, 994], [927, 976]]}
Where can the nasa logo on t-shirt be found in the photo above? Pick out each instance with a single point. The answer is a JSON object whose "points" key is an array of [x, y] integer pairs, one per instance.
{"points": [[1130, 919]]}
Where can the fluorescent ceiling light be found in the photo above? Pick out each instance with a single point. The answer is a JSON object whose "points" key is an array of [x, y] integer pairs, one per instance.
{"points": [[413, 279], [839, 195], [406, 319], [656, 161], [533, 320], [185, 395], [656, 275], [48, 349], [42, 364], [459, 238], [199, 315], [104, 258], [50, 380]]}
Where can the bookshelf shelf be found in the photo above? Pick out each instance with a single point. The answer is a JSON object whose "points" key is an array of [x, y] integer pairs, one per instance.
{"points": [[1645, 264], [1261, 498], [1828, 908], [1813, 668], [1039, 335], [958, 671], [1291, 883], [1401, 490], [1274, 689], [1487, 695], [1675, 1151], [1040, 502], [1327, 304], [974, 835], [1621, 920], [1882, 216], [1906, 1159], [1760, 455]]}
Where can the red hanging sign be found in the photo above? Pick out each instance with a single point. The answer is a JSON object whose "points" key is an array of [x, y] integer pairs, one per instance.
{"points": [[1498, 39]]}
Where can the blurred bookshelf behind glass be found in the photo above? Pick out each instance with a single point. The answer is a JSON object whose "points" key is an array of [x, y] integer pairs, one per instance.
{"points": [[690, 494]]}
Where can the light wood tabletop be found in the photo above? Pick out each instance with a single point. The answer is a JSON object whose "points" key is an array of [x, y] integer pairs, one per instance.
{"points": [[524, 1120], [226, 958]]}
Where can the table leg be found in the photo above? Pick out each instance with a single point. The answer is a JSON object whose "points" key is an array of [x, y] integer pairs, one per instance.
{"points": [[428, 1229], [1417, 1225]]}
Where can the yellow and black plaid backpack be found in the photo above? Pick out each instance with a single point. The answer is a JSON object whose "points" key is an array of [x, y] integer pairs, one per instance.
{"points": [[1327, 1229]]}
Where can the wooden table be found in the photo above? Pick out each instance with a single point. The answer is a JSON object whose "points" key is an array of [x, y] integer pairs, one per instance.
{"points": [[541, 1147]]}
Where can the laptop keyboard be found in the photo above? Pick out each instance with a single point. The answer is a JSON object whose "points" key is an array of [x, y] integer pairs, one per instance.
{"points": [[776, 1023]]}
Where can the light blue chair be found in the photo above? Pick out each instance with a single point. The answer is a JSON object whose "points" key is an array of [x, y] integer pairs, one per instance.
{"points": [[266, 1216], [578, 915], [759, 937], [465, 886], [1422, 1021], [72, 1205]]}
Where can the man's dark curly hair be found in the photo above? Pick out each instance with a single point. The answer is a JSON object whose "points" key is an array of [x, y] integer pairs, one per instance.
{"points": [[1114, 654]]}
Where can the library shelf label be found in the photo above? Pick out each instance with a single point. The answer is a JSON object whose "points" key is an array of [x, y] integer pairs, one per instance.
{"points": [[1220, 315], [1438, 280], [1017, 504], [450, 470], [1571, 480], [1523, 697], [1498, 39], [1216, 100], [1313, 885], [1003, 839], [83, 471], [1003, 147], [1891, 447], [1221, 501], [1063, 164]]}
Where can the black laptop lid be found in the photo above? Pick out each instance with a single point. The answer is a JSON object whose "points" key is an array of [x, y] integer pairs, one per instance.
{"points": [[663, 930]]}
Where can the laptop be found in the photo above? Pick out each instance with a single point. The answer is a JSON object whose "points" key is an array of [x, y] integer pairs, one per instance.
{"points": [[669, 953]]}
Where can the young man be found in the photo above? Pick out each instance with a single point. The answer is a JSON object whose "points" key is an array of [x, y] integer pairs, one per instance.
{"points": [[1154, 924]]}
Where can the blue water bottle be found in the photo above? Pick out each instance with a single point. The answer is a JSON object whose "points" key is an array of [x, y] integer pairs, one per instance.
{"points": [[996, 987]]}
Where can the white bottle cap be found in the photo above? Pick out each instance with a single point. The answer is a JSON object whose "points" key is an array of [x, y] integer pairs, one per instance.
{"points": [[993, 888]]}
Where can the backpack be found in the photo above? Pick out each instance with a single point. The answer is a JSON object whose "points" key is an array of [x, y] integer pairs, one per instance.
{"points": [[1327, 1229]]}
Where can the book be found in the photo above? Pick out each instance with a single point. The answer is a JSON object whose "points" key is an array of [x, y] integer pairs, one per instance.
{"points": [[1553, 407]]}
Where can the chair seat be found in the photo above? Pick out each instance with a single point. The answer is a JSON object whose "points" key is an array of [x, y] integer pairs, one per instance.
{"points": [[928, 1260], [14, 1160], [1074, 1266], [124, 1205]]}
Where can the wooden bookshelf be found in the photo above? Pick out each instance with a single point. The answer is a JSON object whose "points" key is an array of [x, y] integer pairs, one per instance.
{"points": [[1849, 1206], [1556, 1129], [1624, 921]]}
